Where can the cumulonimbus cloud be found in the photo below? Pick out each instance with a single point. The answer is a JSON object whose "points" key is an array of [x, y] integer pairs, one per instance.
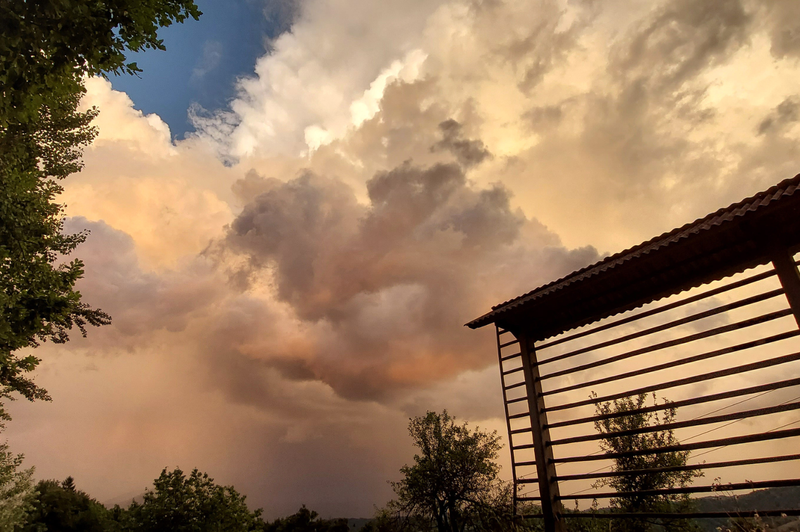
{"points": [[386, 287], [402, 166]]}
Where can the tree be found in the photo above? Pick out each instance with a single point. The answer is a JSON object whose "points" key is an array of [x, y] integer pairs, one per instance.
{"points": [[37, 296], [194, 503], [60, 506], [305, 520], [16, 490], [638, 472], [452, 478], [48, 46]]}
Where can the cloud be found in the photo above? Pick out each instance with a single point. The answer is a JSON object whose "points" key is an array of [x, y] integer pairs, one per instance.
{"points": [[280, 16], [212, 55], [782, 21], [308, 80], [683, 38], [172, 199], [467, 152], [385, 288], [785, 114], [141, 302], [392, 170]]}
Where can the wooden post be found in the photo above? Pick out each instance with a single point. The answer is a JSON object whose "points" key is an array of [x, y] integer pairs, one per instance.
{"points": [[545, 468], [508, 421], [790, 280]]}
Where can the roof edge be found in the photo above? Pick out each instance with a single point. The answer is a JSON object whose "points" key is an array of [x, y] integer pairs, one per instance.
{"points": [[716, 221]]}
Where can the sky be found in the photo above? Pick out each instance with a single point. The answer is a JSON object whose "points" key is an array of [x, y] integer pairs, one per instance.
{"points": [[297, 207]]}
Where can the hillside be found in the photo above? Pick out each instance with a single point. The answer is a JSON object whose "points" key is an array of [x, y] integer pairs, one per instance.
{"points": [[768, 499]]}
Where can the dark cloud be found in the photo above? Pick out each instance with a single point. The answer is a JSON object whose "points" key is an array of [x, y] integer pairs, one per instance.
{"points": [[385, 288], [544, 117], [298, 227], [467, 152], [783, 24], [679, 40], [251, 185], [786, 113], [138, 301], [542, 44]]}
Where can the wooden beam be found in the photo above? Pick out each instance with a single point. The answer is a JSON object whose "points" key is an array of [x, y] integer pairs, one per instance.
{"points": [[545, 467], [790, 280]]}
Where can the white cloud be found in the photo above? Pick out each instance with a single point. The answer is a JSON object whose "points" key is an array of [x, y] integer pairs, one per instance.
{"points": [[171, 198], [314, 73], [212, 55]]}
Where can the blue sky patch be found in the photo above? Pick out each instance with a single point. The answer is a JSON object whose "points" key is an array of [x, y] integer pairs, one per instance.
{"points": [[204, 59]]}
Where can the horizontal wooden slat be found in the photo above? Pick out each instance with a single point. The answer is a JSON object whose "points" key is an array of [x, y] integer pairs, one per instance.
{"points": [[722, 442], [672, 343], [690, 467], [688, 489], [664, 308], [744, 368], [517, 400], [681, 424]]}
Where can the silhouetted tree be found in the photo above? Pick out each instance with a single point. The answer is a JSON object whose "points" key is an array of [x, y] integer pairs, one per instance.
{"points": [[194, 503], [453, 480], [60, 507], [638, 471], [305, 520], [68, 484]]}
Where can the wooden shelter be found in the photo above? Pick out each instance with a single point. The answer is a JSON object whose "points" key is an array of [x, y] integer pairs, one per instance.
{"points": [[629, 322]]}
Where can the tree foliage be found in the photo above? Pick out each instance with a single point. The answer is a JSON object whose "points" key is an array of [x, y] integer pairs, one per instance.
{"points": [[305, 520], [46, 49], [639, 471], [60, 506], [193, 503], [48, 46], [37, 297], [16, 490], [453, 482]]}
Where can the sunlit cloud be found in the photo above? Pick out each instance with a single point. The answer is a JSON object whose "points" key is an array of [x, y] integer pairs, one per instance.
{"points": [[290, 283]]}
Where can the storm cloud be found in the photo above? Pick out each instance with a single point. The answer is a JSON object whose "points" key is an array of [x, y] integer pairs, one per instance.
{"points": [[392, 169], [387, 286]]}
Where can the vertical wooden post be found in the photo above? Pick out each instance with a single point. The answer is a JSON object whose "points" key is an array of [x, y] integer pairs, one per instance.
{"points": [[545, 468], [790, 280], [508, 421]]}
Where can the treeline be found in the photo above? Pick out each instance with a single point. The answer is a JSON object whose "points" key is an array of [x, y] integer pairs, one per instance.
{"points": [[452, 485], [177, 503]]}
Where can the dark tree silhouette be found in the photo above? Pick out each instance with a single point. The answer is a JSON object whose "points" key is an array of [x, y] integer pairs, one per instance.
{"points": [[637, 475]]}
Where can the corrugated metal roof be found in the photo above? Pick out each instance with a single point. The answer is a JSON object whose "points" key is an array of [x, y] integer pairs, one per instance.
{"points": [[661, 245]]}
